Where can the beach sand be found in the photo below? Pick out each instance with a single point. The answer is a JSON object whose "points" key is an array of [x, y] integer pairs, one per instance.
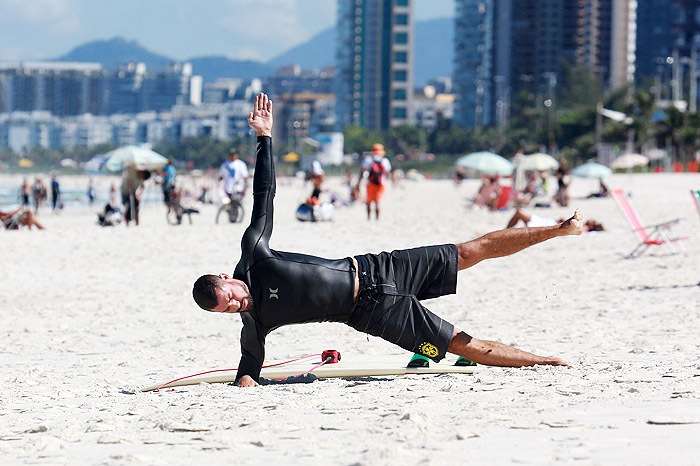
{"points": [[91, 314]]}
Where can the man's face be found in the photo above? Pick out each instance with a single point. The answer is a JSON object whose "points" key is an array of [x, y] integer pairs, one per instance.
{"points": [[233, 296]]}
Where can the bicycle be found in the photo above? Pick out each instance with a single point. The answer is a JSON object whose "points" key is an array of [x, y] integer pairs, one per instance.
{"points": [[175, 210], [232, 208]]}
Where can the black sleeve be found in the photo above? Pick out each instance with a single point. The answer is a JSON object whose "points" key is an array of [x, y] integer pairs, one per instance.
{"points": [[257, 236], [252, 348]]}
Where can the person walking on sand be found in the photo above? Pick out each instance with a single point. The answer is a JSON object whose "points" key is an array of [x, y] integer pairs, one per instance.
{"points": [[24, 193], [55, 192], [378, 167], [378, 294]]}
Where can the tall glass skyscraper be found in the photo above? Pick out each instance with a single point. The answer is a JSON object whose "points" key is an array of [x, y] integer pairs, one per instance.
{"points": [[474, 71], [503, 47], [655, 36], [374, 60]]}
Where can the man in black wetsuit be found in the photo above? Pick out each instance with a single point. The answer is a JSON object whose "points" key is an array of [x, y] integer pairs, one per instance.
{"points": [[377, 294]]}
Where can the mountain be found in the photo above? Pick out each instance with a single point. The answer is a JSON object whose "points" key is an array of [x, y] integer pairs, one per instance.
{"points": [[113, 52], [213, 67], [434, 44], [434, 55], [316, 53]]}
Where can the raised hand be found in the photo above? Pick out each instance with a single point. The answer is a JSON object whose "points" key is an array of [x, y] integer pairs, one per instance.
{"points": [[260, 119]]}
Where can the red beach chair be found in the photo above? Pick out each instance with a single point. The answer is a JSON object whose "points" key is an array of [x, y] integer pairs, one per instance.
{"points": [[660, 234]]}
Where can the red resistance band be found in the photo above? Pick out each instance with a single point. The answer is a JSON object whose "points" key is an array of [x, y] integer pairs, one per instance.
{"points": [[327, 357]]}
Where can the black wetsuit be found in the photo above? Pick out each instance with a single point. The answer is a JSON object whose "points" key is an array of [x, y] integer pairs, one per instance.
{"points": [[286, 288]]}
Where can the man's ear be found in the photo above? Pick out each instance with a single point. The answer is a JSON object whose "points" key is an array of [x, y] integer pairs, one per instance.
{"points": [[223, 276]]}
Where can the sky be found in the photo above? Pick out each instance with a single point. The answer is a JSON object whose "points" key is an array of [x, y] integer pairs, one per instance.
{"points": [[179, 29]]}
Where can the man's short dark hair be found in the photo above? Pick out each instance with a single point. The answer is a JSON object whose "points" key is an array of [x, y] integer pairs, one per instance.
{"points": [[204, 292]]}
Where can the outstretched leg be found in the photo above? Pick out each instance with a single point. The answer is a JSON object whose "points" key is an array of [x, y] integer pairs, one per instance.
{"points": [[493, 353], [506, 242]]}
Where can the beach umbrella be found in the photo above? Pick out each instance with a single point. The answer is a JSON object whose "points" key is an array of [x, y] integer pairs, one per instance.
{"points": [[140, 157], [538, 162], [95, 164], [25, 163], [591, 170], [626, 161], [485, 163]]}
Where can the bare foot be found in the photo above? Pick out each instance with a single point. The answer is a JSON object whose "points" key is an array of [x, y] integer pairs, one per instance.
{"points": [[574, 225], [555, 361]]}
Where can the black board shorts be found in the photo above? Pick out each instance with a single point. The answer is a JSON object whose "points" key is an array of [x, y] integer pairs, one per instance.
{"points": [[391, 287]]}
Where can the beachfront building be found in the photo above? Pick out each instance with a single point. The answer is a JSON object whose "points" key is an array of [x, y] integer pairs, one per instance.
{"points": [[505, 47], [22, 131], [431, 107], [474, 55], [655, 39], [294, 80], [303, 115], [374, 63], [133, 89], [67, 88], [61, 88]]}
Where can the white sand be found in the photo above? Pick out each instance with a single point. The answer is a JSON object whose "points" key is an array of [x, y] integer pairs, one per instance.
{"points": [[91, 314]]}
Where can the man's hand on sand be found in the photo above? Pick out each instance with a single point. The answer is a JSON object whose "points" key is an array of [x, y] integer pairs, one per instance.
{"points": [[574, 225], [247, 381], [260, 119]]}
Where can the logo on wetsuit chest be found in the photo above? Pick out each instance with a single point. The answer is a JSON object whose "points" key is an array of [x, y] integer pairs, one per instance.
{"points": [[273, 293], [428, 349]]}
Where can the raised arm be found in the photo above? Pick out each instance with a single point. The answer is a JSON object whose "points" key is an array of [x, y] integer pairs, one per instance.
{"points": [[258, 234]]}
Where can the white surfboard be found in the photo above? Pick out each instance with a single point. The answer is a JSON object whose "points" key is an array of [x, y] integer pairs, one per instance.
{"points": [[350, 366]]}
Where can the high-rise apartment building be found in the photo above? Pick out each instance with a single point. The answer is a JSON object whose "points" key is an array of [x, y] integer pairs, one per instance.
{"points": [[503, 47], [64, 88], [374, 62], [474, 56], [655, 37], [61, 88]]}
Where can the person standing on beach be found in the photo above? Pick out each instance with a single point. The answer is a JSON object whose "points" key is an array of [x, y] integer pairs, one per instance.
{"points": [[562, 195], [25, 193], [38, 193], [168, 174], [91, 192], [378, 167], [132, 190], [378, 294], [55, 192], [234, 173]]}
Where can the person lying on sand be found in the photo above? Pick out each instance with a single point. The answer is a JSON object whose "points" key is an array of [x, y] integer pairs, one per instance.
{"points": [[378, 294], [532, 220], [19, 216]]}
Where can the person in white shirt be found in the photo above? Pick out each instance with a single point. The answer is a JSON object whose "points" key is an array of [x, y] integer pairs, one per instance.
{"points": [[234, 173]]}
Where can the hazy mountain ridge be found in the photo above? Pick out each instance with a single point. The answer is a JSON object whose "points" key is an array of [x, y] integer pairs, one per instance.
{"points": [[434, 52]]}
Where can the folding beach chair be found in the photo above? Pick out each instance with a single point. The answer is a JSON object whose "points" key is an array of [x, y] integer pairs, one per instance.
{"points": [[504, 197], [695, 193], [659, 234]]}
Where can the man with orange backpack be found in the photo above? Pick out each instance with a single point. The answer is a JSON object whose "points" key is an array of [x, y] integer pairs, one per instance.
{"points": [[378, 167]]}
